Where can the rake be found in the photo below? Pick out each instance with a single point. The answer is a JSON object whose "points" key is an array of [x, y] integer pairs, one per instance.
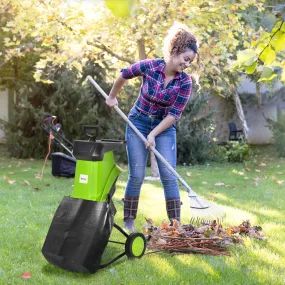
{"points": [[201, 209]]}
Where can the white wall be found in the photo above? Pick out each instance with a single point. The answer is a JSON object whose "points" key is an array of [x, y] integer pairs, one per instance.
{"points": [[247, 86], [3, 109], [258, 132]]}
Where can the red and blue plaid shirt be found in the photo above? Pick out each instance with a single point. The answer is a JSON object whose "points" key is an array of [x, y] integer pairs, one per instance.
{"points": [[153, 98]]}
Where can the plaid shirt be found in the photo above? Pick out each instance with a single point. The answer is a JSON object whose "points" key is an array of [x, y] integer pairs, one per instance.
{"points": [[153, 98]]}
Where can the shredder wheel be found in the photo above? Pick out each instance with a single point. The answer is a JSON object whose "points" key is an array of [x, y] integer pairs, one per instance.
{"points": [[135, 245]]}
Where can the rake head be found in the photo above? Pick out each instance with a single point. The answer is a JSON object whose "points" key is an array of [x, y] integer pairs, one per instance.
{"points": [[204, 211]]}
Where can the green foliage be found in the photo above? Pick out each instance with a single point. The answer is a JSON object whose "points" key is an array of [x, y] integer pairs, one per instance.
{"points": [[218, 153], [120, 8], [278, 130], [238, 151], [194, 136], [233, 151], [74, 101], [265, 56], [70, 32]]}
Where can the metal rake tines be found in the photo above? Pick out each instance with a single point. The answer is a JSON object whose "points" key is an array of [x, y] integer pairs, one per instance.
{"points": [[208, 214]]}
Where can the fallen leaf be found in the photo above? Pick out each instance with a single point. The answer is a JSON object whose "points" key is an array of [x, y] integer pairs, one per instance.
{"points": [[262, 164], [211, 198], [149, 221], [188, 173], [256, 180], [257, 170], [279, 181], [204, 182], [37, 176], [228, 231], [10, 181], [26, 275], [25, 170], [11, 172], [248, 169], [31, 159], [27, 182], [220, 184], [238, 172], [37, 188], [280, 172], [47, 185], [161, 241]]}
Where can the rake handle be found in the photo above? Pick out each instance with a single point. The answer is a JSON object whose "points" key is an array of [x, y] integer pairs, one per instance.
{"points": [[153, 149]]}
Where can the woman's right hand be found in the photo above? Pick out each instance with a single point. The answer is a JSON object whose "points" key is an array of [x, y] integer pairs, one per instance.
{"points": [[111, 102]]}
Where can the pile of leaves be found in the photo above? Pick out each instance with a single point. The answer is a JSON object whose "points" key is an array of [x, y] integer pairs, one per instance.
{"points": [[207, 238]]}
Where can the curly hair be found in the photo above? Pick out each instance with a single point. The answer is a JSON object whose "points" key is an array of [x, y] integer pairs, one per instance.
{"points": [[178, 40]]}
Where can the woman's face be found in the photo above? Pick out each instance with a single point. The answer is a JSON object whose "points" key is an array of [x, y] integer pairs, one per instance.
{"points": [[183, 60]]}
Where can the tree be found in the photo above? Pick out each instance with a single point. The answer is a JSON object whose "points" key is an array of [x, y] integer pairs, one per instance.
{"points": [[69, 35], [264, 57]]}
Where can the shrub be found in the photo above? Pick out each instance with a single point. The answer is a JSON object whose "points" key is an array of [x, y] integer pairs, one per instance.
{"points": [[73, 102], [278, 131], [238, 151], [218, 153], [194, 136]]}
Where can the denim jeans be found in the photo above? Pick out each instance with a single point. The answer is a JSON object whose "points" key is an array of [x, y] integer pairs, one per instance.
{"points": [[137, 155]]}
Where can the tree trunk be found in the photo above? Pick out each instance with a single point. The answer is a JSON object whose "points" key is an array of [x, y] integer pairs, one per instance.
{"points": [[240, 113], [258, 94], [153, 162], [154, 166], [141, 48]]}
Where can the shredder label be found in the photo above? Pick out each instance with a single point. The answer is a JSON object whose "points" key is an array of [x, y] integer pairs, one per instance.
{"points": [[83, 178]]}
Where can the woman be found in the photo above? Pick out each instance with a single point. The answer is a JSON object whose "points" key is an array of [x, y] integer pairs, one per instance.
{"points": [[164, 92]]}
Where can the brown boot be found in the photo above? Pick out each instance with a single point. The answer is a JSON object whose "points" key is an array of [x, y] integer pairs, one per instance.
{"points": [[173, 209], [130, 212]]}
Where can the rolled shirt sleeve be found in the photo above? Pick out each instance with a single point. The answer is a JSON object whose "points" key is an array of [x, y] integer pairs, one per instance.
{"points": [[138, 69], [182, 98]]}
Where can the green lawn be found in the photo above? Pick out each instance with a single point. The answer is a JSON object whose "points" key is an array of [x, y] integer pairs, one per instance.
{"points": [[26, 212]]}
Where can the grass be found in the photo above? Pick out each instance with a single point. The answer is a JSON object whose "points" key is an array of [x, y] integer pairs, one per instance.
{"points": [[26, 212]]}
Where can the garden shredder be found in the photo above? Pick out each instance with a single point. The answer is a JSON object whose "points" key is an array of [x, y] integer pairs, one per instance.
{"points": [[83, 222]]}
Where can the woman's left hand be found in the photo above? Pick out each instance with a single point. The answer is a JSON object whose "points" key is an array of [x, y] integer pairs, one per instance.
{"points": [[150, 140]]}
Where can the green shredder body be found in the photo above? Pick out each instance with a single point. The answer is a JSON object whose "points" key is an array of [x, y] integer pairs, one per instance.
{"points": [[94, 179], [96, 171]]}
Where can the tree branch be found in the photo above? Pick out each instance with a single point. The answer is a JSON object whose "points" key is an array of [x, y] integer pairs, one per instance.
{"points": [[105, 48]]}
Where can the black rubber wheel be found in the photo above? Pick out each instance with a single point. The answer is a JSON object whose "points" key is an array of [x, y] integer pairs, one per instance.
{"points": [[135, 245]]}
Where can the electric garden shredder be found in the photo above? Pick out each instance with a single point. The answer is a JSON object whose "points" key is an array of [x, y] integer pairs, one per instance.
{"points": [[83, 222]]}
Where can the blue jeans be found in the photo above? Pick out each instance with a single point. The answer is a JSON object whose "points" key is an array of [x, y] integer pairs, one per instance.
{"points": [[137, 155]]}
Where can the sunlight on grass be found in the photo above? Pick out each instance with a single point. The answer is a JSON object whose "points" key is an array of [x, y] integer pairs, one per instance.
{"points": [[163, 267], [209, 269], [235, 216], [26, 215], [270, 213]]}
